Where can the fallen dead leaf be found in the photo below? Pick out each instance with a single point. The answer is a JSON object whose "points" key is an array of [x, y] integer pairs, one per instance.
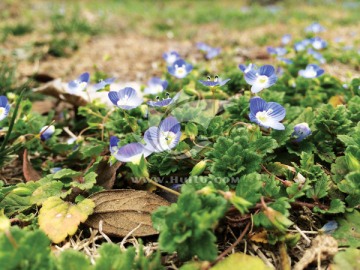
{"points": [[30, 174], [123, 210]]}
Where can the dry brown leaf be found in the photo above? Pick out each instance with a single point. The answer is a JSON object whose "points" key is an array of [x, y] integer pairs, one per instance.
{"points": [[30, 174], [323, 247], [123, 210], [106, 173], [55, 89]]}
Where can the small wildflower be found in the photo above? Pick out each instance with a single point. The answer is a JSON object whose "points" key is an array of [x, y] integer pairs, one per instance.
{"points": [[285, 60], [131, 152], [114, 141], [171, 57], [266, 114], [311, 71], [262, 78], [329, 227], [4, 107], [103, 83], [301, 45], [210, 51], [318, 43], [78, 85], [216, 82], [318, 56], [286, 39], [55, 170], [180, 69], [155, 86], [279, 51], [49, 131], [165, 137], [246, 69], [164, 102], [301, 131], [315, 28], [126, 98]]}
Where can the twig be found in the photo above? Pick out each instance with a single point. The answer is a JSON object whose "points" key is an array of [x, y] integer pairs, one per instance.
{"points": [[308, 241], [229, 249], [284, 182], [128, 235]]}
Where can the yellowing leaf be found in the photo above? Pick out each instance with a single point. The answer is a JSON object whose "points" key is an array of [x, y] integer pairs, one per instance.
{"points": [[260, 237], [241, 261], [58, 219], [336, 100]]}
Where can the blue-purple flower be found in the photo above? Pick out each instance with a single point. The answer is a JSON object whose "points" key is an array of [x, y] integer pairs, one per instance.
{"points": [[55, 169], [163, 102], [245, 69], [301, 45], [329, 227], [315, 28], [311, 71], [126, 98], [216, 82], [132, 152], [79, 84], [165, 137], [180, 69], [211, 52], [155, 86], [279, 51], [318, 43], [4, 107], [318, 56], [286, 39], [266, 114], [46, 132], [103, 83], [285, 60], [171, 57], [262, 78], [301, 131], [113, 147]]}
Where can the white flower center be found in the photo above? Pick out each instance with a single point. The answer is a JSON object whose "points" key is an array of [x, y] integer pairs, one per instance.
{"points": [[2, 111], [263, 116], [262, 79], [317, 45], [166, 139], [180, 71], [123, 101], [310, 72], [157, 88]]}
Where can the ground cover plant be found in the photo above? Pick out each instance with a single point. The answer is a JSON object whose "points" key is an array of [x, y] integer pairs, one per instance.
{"points": [[220, 157]]}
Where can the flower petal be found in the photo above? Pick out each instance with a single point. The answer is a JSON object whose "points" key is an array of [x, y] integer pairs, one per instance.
{"points": [[267, 70], [170, 124], [278, 112]]}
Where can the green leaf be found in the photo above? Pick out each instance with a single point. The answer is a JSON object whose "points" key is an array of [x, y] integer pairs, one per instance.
{"points": [[348, 259], [86, 182], [336, 206], [348, 232], [73, 260], [45, 191], [320, 188], [249, 187], [241, 261], [26, 250], [351, 186], [66, 173], [58, 219]]}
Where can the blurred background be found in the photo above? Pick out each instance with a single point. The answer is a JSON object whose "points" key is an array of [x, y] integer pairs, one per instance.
{"points": [[126, 39]]}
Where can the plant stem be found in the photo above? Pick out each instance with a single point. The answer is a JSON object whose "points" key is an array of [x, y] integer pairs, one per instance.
{"points": [[163, 187]]}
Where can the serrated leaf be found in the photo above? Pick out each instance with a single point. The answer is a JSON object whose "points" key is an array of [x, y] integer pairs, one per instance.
{"points": [[45, 191], [336, 206], [348, 232], [249, 186], [86, 182], [73, 260], [58, 218], [66, 173], [241, 261]]}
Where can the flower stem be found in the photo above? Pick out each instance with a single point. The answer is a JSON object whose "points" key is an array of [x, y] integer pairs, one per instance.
{"points": [[163, 187]]}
